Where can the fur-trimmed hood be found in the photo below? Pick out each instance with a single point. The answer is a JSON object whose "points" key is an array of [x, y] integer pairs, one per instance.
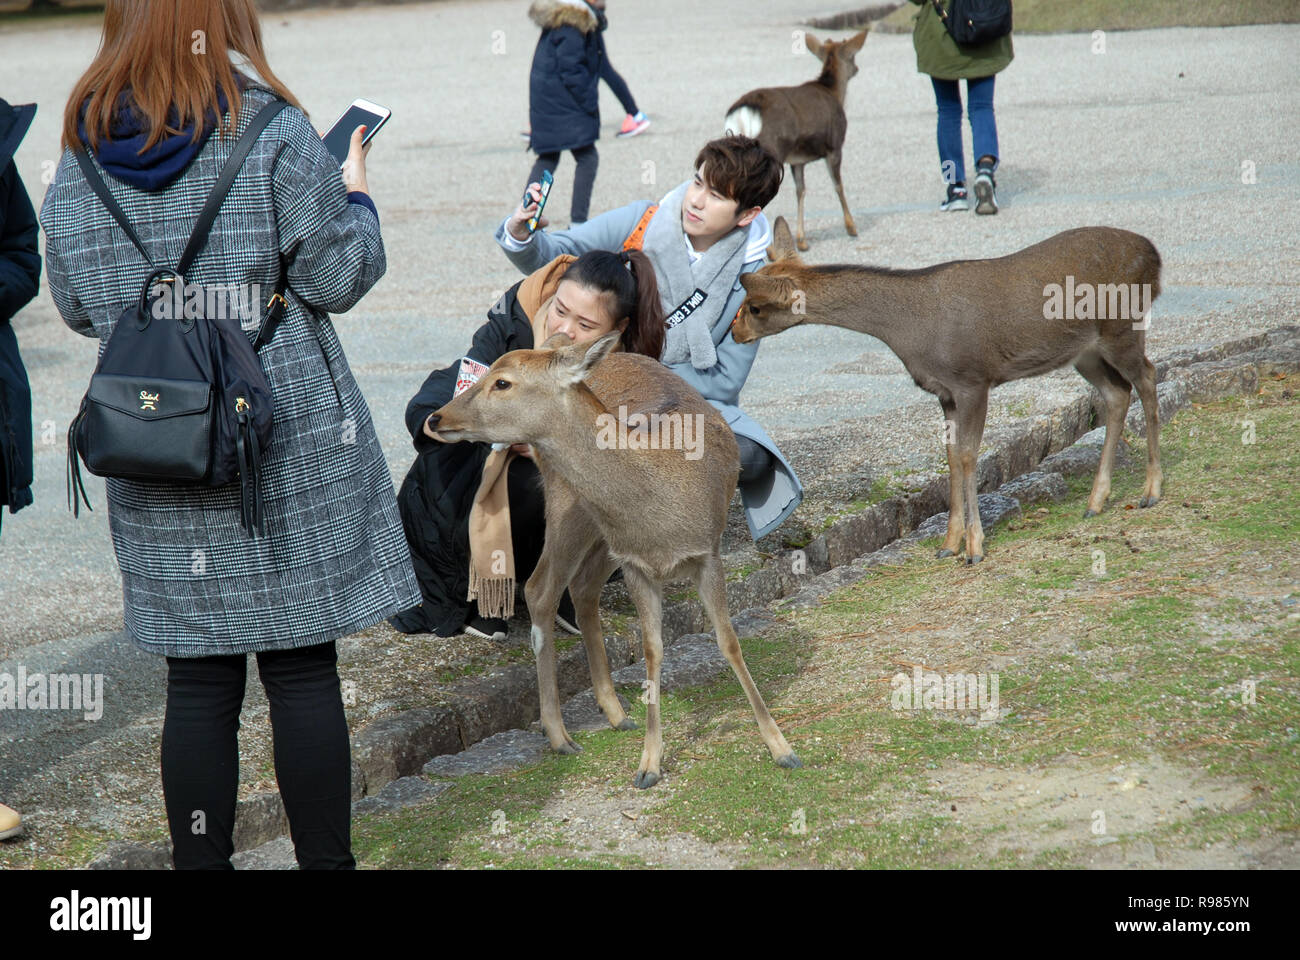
{"points": [[550, 14]]}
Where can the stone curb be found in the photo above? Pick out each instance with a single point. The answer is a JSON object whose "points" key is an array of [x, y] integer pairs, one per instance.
{"points": [[400, 746]]}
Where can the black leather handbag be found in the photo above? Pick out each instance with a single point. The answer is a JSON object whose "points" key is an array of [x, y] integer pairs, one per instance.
{"points": [[974, 22], [179, 394]]}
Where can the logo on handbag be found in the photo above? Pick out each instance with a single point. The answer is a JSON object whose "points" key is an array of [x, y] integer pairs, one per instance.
{"points": [[148, 401]]}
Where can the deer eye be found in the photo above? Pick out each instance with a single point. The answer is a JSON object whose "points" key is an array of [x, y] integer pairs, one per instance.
{"points": [[754, 310], [501, 385]]}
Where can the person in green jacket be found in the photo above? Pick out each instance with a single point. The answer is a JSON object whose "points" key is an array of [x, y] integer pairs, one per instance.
{"points": [[938, 55]]}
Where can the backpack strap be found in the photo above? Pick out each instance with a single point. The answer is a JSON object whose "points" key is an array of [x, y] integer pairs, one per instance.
{"points": [[636, 238], [230, 170], [97, 184]]}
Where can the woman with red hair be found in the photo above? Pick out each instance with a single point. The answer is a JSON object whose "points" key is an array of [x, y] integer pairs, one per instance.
{"points": [[159, 109]]}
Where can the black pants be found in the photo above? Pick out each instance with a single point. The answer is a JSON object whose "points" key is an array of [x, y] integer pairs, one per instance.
{"points": [[755, 460], [313, 763], [584, 178], [619, 86]]}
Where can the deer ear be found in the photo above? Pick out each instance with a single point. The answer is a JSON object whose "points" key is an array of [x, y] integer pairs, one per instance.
{"points": [[782, 247], [579, 359], [763, 289], [813, 44], [555, 341], [852, 45]]}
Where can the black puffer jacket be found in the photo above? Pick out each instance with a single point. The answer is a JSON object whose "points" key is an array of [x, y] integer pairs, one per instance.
{"points": [[438, 491], [563, 105], [20, 270]]}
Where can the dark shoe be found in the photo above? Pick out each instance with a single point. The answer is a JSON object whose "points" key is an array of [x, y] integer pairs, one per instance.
{"points": [[566, 617], [956, 198], [489, 628], [985, 185], [410, 621]]}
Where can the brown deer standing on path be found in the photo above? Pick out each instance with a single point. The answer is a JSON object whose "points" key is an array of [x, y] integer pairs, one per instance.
{"points": [[965, 326], [656, 507], [805, 123]]}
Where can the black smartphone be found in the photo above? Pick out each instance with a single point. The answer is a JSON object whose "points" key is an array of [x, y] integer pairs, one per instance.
{"points": [[547, 180], [339, 137]]}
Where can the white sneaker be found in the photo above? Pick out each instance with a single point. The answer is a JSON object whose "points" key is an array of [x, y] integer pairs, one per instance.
{"points": [[956, 198], [986, 202]]}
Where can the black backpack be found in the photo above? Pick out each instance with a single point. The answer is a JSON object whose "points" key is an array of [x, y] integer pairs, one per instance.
{"points": [[975, 22], [179, 396]]}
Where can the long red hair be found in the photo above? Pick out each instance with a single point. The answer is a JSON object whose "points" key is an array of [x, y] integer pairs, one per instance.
{"points": [[168, 53]]}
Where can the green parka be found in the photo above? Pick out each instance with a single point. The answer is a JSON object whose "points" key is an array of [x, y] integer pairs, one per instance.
{"points": [[938, 55]]}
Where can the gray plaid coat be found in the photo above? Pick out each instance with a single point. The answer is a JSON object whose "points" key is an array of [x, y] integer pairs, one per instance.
{"points": [[334, 559]]}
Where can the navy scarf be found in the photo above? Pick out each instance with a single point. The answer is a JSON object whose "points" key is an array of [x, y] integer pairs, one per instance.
{"points": [[160, 165]]}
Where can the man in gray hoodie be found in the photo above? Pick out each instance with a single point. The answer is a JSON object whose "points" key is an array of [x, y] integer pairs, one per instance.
{"points": [[701, 237]]}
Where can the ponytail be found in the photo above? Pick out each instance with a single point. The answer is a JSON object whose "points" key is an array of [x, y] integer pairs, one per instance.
{"points": [[628, 280], [645, 329]]}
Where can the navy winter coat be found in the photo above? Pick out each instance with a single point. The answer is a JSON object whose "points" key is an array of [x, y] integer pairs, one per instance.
{"points": [[563, 106], [20, 270]]}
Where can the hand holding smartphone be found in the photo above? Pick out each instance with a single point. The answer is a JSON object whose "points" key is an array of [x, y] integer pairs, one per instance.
{"points": [[339, 138], [547, 181]]}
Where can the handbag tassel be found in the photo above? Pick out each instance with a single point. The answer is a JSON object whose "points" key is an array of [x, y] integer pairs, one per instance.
{"points": [[252, 513], [76, 489]]}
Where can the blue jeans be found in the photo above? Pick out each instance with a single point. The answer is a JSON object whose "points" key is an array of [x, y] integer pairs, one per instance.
{"points": [[983, 126]]}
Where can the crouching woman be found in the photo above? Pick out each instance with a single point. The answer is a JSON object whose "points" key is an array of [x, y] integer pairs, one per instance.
{"points": [[584, 298]]}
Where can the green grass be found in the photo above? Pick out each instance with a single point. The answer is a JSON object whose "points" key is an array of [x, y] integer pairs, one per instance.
{"points": [[1054, 16], [1137, 664]]}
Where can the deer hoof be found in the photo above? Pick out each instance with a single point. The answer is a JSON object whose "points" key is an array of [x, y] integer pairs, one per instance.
{"points": [[1090, 513], [851, 229], [568, 746], [645, 779], [971, 561], [1148, 501], [627, 724], [790, 761], [944, 552], [801, 243]]}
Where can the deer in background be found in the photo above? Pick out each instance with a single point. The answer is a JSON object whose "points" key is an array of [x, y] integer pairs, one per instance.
{"points": [[802, 124], [656, 511], [965, 326]]}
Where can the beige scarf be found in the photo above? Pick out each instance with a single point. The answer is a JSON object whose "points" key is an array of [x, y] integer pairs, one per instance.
{"points": [[492, 558]]}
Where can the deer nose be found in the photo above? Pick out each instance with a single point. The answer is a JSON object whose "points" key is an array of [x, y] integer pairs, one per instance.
{"points": [[433, 421]]}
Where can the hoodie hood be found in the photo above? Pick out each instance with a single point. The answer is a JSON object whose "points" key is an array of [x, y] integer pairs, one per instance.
{"points": [[550, 14], [760, 238], [159, 166]]}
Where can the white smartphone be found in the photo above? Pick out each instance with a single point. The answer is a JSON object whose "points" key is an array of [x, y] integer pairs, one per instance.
{"points": [[362, 111]]}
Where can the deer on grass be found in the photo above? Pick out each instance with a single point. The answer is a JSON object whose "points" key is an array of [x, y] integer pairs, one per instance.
{"points": [[617, 494], [965, 326], [802, 124]]}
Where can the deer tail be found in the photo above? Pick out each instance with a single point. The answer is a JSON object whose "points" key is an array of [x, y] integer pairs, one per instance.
{"points": [[745, 119]]}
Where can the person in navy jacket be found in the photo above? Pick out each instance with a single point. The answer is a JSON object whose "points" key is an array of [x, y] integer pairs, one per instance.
{"points": [[20, 271]]}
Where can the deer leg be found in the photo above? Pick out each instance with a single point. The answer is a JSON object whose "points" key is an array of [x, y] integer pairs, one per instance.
{"points": [[711, 582], [647, 594], [1114, 391], [833, 162], [956, 484], [1133, 366], [585, 591], [796, 169], [970, 431], [568, 535]]}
